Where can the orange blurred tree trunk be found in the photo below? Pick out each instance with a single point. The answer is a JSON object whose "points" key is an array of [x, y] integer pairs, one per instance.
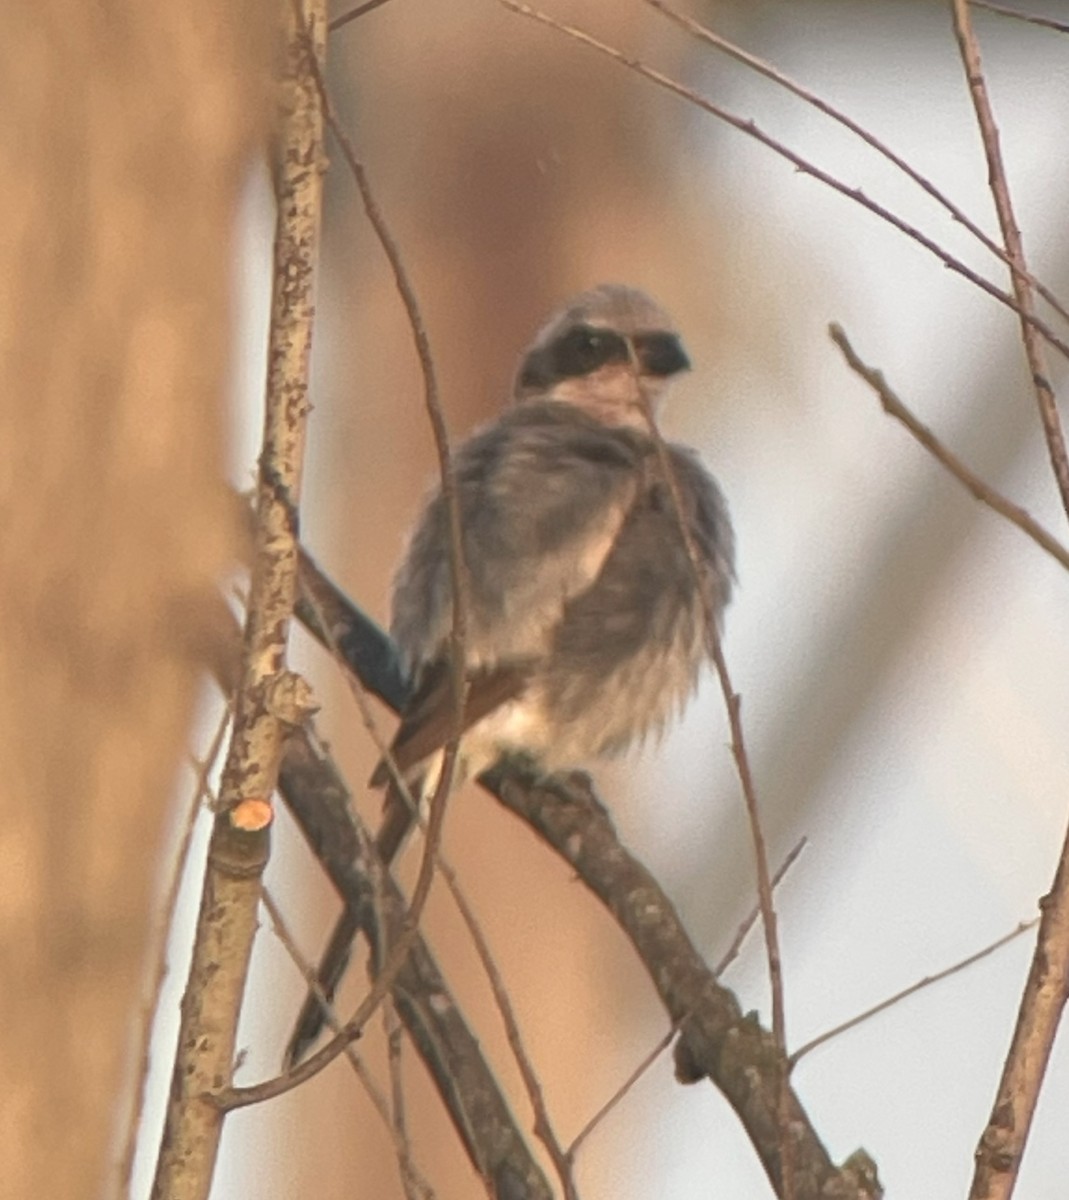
{"points": [[128, 129]]}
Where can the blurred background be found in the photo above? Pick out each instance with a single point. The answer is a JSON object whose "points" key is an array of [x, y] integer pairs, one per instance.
{"points": [[902, 654]]}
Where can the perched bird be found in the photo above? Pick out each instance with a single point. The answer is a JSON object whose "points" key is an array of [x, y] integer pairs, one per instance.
{"points": [[586, 621]]}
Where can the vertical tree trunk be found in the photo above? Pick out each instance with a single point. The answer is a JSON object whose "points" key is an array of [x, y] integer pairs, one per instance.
{"points": [[127, 129]]}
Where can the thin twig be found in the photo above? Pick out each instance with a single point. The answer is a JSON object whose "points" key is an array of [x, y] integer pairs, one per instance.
{"points": [[716, 1041], [561, 1159], [322, 806], [1011, 236], [894, 407], [740, 934], [733, 703], [666, 1040], [432, 404], [238, 1097], [457, 579], [201, 792], [1046, 22], [268, 699], [751, 129], [706, 35], [394, 1032], [919, 986], [353, 14], [622, 1091], [402, 1148]]}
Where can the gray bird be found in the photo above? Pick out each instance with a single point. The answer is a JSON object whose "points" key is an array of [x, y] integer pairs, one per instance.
{"points": [[586, 625]]}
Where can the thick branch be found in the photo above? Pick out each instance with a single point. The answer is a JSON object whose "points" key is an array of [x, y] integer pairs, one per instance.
{"points": [[319, 800], [734, 1051], [737, 1054]]}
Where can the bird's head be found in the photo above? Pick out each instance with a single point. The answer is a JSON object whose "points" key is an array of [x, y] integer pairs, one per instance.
{"points": [[608, 352]]}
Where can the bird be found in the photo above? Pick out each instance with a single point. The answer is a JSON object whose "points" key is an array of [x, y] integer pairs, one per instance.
{"points": [[588, 610]]}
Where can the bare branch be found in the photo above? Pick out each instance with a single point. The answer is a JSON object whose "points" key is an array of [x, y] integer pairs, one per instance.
{"points": [[733, 703], [768, 917], [983, 492], [395, 1032], [706, 35], [201, 793], [410, 1172], [622, 1091], [744, 928], [319, 800], [354, 13], [1011, 236], [1046, 22], [919, 986], [751, 129], [438, 428], [239, 845], [561, 1159], [717, 1041]]}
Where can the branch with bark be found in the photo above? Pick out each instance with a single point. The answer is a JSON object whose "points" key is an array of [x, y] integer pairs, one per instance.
{"points": [[269, 699], [319, 799], [738, 1055]]}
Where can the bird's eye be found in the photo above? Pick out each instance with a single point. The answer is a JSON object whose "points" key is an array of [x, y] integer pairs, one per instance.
{"points": [[660, 354], [583, 349]]}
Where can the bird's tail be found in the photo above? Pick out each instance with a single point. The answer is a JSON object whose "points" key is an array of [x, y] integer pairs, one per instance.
{"points": [[397, 821]]}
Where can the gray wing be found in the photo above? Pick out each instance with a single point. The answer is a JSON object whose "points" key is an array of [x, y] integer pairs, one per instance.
{"points": [[543, 493], [710, 524]]}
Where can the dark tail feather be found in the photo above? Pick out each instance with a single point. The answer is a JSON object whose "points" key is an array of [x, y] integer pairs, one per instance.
{"points": [[332, 966], [397, 820]]}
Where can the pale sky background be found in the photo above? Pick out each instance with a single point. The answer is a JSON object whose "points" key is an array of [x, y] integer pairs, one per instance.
{"points": [[947, 805]]}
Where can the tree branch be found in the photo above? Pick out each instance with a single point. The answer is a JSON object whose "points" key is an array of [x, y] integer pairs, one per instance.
{"points": [[913, 988], [717, 1041], [1002, 1144], [1011, 236], [239, 846], [703, 34], [734, 1052], [983, 492], [319, 800], [751, 129], [1003, 11]]}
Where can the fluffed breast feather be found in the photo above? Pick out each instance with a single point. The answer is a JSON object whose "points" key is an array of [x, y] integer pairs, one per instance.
{"points": [[543, 493], [577, 569], [628, 651], [586, 624]]}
